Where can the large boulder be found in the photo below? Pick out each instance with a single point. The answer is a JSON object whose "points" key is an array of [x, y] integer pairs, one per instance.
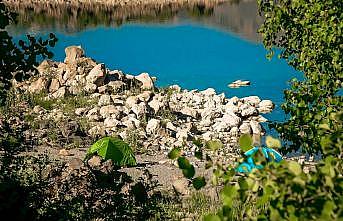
{"points": [[54, 85], [145, 79], [104, 100], [40, 84], [97, 75], [265, 106], [252, 100], [73, 53]]}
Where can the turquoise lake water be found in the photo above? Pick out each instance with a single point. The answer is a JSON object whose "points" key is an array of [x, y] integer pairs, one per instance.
{"points": [[195, 54]]}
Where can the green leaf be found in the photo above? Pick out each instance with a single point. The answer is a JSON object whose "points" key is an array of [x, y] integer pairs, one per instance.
{"points": [[189, 172], [199, 182], [183, 163], [214, 145], [198, 154], [113, 148], [294, 168], [245, 142], [273, 142], [174, 153]]}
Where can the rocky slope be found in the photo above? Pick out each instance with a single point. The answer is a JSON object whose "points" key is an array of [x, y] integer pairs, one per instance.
{"points": [[132, 108]]}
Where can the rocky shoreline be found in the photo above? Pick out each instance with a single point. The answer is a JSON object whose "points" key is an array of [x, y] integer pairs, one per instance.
{"points": [[134, 109]]}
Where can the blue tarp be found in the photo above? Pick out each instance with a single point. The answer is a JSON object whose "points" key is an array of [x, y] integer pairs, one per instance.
{"points": [[269, 153]]}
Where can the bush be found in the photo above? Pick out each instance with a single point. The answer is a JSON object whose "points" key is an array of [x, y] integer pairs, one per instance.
{"points": [[309, 34], [18, 61]]}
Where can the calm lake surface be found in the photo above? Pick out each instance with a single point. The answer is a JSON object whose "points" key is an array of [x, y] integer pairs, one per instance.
{"points": [[196, 47]]}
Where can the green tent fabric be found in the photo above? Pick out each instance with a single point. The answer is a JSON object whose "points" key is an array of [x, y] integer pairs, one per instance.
{"points": [[115, 149]]}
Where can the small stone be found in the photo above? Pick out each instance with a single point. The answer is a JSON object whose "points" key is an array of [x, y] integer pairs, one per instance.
{"points": [[181, 186], [102, 89], [64, 152], [182, 134], [111, 122], [60, 93], [90, 88], [139, 109], [80, 111], [104, 100], [94, 162], [107, 111], [130, 101], [144, 96], [152, 126], [208, 135], [116, 85], [170, 126], [96, 130]]}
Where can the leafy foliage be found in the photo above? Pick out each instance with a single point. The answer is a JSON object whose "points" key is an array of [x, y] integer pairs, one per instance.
{"points": [[114, 149], [309, 34], [281, 191], [18, 61]]}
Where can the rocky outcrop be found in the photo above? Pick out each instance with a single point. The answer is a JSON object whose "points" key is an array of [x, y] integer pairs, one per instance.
{"points": [[134, 109]]}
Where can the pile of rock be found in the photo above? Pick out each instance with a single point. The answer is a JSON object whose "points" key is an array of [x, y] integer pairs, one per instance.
{"points": [[131, 105], [238, 83]]}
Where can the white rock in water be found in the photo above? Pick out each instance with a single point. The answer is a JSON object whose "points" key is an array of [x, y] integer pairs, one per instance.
{"points": [[152, 126], [104, 100], [239, 83], [97, 75], [145, 79], [265, 106], [73, 53]]}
